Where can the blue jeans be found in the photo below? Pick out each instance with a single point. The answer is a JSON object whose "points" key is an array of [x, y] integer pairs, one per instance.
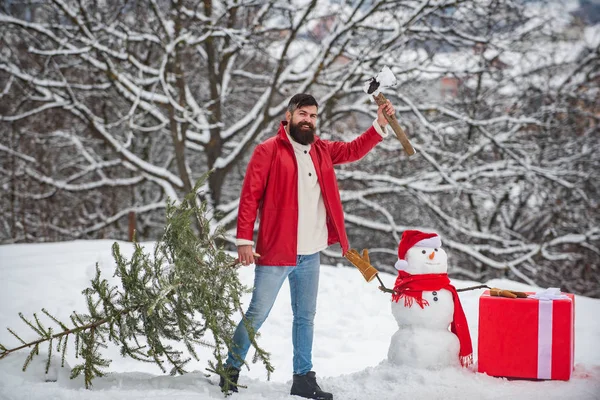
{"points": [[304, 285]]}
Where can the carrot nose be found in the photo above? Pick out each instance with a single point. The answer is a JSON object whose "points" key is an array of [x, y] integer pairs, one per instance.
{"points": [[432, 255]]}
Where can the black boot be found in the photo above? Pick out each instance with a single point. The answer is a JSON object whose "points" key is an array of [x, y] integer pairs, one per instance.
{"points": [[306, 386], [233, 374]]}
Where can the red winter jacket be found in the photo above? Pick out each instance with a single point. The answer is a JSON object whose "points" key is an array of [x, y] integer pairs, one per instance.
{"points": [[271, 187]]}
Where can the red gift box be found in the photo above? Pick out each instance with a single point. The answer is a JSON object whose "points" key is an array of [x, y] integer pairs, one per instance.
{"points": [[526, 338]]}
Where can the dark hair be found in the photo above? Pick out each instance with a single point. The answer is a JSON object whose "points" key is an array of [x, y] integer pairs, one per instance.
{"points": [[301, 100]]}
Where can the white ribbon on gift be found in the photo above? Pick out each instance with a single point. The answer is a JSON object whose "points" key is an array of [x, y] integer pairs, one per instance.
{"points": [[545, 298], [552, 293]]}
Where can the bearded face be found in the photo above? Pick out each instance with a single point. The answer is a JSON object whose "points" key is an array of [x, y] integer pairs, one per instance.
{"points": [[302, 132], [302, 125]]}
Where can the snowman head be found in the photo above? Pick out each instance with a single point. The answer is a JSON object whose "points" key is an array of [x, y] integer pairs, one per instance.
{"points": [[421, 253]]}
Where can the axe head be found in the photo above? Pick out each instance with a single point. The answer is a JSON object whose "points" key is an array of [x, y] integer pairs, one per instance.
{"points": [[383, 79]]}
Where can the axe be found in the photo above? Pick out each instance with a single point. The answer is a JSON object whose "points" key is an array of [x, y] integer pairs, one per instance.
{"points": [[384, 79]]}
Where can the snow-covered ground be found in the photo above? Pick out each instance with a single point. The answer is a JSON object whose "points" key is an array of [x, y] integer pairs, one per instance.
{"points": [[353, 331]]}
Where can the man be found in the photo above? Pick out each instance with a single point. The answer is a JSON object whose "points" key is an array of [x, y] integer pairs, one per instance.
{"points": [[290, 181]]}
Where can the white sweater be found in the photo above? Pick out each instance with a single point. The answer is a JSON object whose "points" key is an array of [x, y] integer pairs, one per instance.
{"points": [[312, 216]]}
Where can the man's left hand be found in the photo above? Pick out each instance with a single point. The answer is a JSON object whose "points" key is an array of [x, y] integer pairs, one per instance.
{"points": [[386, 108]]}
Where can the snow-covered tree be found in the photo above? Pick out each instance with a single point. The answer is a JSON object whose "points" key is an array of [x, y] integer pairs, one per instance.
{"points": [[109, 107]]}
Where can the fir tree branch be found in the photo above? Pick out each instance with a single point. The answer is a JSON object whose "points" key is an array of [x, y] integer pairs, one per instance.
{"points": [[35, 328], [32, 353], [48, 360], [64, 351], [46, 338], [15, 335]]}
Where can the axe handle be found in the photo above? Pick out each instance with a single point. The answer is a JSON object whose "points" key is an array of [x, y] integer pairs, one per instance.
{"points": [[393, 121]]}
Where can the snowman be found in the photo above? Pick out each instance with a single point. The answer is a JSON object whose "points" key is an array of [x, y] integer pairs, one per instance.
{"points": [[432, 328]]}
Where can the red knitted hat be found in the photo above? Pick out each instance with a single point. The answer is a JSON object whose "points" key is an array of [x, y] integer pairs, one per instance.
{"points": [[412, 238]]}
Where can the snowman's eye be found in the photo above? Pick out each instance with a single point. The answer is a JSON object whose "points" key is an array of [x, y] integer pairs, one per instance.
{"points": [[424, 252], [435, 249]]}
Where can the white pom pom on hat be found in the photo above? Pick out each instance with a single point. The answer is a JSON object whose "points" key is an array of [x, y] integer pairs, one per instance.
{"points": [[414, 238]]}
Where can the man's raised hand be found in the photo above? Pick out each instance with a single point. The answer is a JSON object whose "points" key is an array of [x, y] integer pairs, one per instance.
{"points": [[386, 108]]}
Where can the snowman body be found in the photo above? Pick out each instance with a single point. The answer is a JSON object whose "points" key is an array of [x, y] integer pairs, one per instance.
{"points": [[423, 338]]}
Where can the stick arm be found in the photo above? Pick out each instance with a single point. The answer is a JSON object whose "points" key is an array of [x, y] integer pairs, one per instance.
{"points": [[382, 287]]}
